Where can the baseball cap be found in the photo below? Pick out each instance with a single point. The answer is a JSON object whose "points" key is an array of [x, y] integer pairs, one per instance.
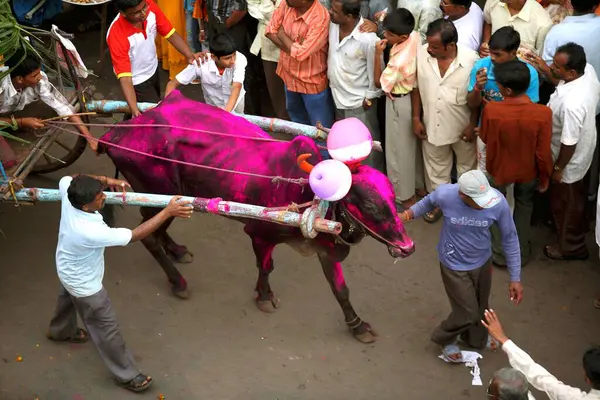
{"points": [[475, 185]]}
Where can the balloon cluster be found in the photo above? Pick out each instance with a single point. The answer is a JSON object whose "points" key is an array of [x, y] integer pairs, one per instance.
{"points": [[349, 142]]}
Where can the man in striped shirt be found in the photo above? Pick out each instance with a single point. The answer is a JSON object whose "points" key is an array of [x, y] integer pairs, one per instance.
{"points": [[131, 41], [300, 28]]}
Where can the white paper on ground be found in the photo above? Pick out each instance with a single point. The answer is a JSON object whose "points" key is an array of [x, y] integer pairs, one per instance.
{"points": [[469, 358]]}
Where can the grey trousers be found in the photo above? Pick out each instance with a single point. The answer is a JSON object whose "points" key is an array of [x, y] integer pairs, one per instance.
{"points": [[403, 154], [523, 193], [469, 293], [101, 323], [369, 118]]}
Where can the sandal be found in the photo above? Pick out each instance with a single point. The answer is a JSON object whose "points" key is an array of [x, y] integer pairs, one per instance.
{"points": [[555, 255], [137, 384], [81, 337], [452, 353], [433, 216]]}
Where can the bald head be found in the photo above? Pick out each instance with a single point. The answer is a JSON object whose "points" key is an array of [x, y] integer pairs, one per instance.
{"points": [[508, 384]]}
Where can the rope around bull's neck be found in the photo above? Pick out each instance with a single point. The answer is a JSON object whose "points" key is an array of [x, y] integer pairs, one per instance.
{"points": [[273, 179]]}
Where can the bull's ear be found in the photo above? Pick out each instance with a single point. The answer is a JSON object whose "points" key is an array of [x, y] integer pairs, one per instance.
{"points": [[303, 164]]}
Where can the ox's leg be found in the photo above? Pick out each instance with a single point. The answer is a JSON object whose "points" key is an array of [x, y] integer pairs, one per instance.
{"points": [[265, 299], [333, 272], [177, 252], [153, 245]]}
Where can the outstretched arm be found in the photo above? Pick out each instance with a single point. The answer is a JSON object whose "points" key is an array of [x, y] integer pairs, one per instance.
{"points": [[536, 375], [176, 208], [177, 41], [172, 85], [85, 132], [236, 89]]}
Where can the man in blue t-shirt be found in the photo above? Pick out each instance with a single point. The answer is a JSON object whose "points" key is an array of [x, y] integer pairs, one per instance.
{"points": [[503, 44], [465, 254]]}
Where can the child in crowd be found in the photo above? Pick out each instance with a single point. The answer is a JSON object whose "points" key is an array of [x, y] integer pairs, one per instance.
{"points": [[517, 134], [221, 76], [398, 79]]}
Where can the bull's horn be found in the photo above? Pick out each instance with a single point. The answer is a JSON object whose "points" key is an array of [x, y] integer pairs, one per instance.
{"points": [[303, 164]]}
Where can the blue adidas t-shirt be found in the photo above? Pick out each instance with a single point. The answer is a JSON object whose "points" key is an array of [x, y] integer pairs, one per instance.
{"points": [[491, 91]]}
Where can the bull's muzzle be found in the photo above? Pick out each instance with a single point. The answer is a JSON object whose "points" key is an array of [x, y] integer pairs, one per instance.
{"points": [[402, 251]]}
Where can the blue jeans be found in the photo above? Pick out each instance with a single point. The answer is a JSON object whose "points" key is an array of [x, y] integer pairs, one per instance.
{"points": [[192, 31], [308, 109]]}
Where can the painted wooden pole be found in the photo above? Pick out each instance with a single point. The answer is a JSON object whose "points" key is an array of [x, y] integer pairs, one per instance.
{"points": [[266, 124], [203, 205], [270, 125]]}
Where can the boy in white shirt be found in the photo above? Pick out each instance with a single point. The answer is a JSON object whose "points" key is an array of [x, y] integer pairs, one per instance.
{"points": [[221, 76]]}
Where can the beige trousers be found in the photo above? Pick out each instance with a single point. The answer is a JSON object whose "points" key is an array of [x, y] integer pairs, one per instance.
{"points": [[438, 161], [404, 157]]}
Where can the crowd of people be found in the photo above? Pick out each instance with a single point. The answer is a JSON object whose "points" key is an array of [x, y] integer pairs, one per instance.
{"points": [[446, 87], [505, 99]]}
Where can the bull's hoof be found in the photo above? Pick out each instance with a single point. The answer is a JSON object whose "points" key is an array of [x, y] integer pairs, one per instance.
{"points": [[268, 306], [179, 254], [185, 258], [181, 293], [364, 333]]}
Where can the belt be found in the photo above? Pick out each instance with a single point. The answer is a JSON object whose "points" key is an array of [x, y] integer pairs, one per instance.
{"points": [[397, 96]]}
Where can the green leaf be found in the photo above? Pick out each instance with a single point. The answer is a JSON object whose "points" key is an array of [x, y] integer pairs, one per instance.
{"points": [[13, 137]]}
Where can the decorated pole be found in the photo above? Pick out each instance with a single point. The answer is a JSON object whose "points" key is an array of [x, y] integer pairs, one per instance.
{"points": [[272, 125], [311, 223], [266, 124]]}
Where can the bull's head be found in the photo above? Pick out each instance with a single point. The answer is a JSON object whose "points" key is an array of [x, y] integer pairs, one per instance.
{"points": [[371, 207]]}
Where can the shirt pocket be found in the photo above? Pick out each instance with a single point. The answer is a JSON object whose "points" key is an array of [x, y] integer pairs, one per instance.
{"points": [[453, 95]]}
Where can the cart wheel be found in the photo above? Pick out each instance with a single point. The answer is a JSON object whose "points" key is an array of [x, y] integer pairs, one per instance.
{"points": [[66, 147]]}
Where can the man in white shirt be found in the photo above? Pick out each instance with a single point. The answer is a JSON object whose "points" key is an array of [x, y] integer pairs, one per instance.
{"points": [[537, 375], [573, 107], [424, 11], [447, 124], [262, 10], [528, 18], [222, 76], [26, 84], [467, 17], [509, 383], [350, 66], [583, 28], [82, 237]]}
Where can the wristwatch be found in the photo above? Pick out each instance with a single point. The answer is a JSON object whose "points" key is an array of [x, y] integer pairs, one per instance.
{"points": [[557, 168]]}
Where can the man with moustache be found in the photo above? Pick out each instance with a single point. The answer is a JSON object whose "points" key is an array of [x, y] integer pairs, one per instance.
{"points": [[82, 237]]}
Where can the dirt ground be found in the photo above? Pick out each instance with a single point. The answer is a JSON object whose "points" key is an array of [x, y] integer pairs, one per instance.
{"points": [[218, 345]]}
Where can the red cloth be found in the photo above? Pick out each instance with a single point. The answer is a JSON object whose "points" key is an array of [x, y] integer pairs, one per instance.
{"points": [[517, 133]]}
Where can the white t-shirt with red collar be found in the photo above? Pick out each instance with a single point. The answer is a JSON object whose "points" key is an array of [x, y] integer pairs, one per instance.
{"points": [[133, 50]]}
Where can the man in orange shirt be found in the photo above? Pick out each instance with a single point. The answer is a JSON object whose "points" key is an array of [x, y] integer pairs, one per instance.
{"points": [[517, 133], [300, 28]]}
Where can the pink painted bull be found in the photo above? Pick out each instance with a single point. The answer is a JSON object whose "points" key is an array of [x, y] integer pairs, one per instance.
{"points": [[368, 208]]}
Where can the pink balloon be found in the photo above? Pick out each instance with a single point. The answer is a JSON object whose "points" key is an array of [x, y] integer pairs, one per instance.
{"points": [[349, 140], [330, 180]]}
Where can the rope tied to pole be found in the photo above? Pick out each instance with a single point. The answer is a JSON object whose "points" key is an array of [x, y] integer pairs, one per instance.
{"points": [[275, 179]]}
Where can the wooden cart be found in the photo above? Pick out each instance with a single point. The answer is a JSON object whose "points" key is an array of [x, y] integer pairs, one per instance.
{"points": [[52, 149]]}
